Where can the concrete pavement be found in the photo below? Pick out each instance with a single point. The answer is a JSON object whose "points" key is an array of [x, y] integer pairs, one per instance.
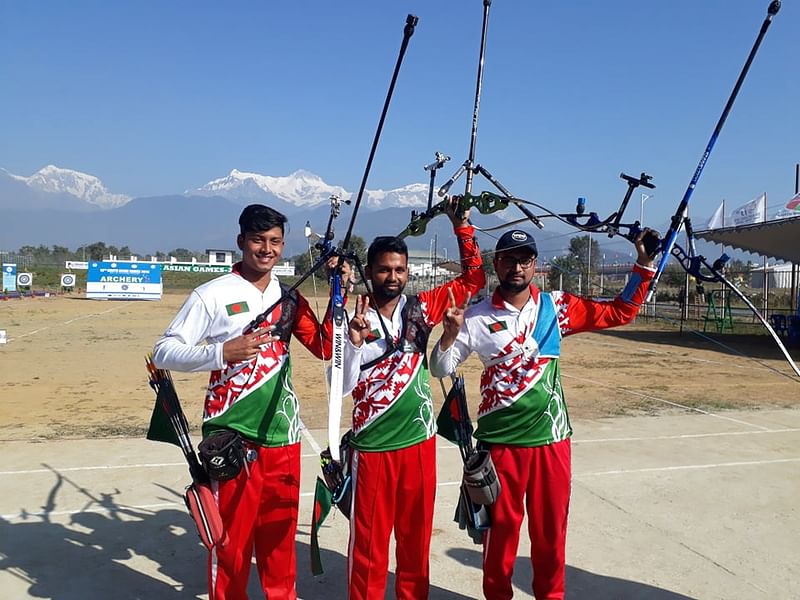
{"points": [[669, 507]]}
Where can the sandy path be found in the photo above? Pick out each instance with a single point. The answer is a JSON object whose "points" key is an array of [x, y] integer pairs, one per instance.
{"points": [[74, 368]]}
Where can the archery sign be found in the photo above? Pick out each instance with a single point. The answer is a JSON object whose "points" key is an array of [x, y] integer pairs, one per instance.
{"points": [[9, 277], [116, 280]]}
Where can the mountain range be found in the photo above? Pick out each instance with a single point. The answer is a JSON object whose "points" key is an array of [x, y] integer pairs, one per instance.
{"points": [[57, 206]]}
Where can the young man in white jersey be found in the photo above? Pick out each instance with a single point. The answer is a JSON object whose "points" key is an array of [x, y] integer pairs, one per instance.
{"points": [[250, 393], [394, 426], [522, 416]]}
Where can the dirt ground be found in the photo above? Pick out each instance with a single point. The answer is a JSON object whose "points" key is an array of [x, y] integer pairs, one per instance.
{"points": [[74, 368]]}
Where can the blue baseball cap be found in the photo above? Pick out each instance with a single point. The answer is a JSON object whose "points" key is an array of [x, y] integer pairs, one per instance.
{"points": [[516, 238]]}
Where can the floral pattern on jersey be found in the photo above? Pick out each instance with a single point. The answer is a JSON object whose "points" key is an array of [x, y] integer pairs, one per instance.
{"points": [[556, 409], [382, 385], [239, 379], [422, 389], [502, 383], [289, 408], [562, 311]]}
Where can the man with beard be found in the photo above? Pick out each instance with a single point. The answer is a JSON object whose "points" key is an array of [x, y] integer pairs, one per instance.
{"points": [[250, 399], [394, 426], [522, 417]]}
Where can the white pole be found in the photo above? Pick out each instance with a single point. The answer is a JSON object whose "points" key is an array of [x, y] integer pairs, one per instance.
{"points": [[589, 269], [641, 207]]}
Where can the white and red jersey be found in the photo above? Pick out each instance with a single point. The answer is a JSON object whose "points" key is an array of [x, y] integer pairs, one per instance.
{"points": [[392, 399], [254, 397], [522, 400]]}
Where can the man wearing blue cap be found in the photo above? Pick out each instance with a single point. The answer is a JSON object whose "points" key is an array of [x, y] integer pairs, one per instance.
{"points": [[522, 417]]}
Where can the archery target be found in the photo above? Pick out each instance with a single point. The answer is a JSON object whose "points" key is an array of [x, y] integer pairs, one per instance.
{"points": [[24, 279], [67, 280]]}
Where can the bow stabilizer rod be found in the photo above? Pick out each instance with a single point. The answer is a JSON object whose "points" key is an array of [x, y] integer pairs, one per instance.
{"points": [[678, 219], [408, 31], [469, 167]]}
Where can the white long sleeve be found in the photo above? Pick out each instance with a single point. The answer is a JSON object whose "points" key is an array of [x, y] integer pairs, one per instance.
{"points": [[444, 363], [178, 348]]}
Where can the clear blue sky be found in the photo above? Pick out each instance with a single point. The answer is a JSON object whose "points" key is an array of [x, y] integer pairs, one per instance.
{"points": [[157, 97]]}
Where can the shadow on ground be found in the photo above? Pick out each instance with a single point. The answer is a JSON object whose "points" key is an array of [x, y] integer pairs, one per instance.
{"points": [[580, 584], [108, 550]]}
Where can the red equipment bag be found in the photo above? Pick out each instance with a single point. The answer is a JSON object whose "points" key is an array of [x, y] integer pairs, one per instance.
{"points": [[203, 509]]}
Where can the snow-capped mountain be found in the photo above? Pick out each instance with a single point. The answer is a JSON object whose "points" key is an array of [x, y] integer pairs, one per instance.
{"points": [[85, 187], [301, 188], [413, 195], [304, 189]]}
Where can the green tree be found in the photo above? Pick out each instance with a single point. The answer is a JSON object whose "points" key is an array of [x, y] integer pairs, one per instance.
{"points": [[358, 245], [60, 254], [564, 272], [96, 251], [579, 247]]}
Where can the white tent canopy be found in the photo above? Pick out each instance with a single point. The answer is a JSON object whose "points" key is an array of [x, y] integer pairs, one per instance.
{"points": [[779, 239]]}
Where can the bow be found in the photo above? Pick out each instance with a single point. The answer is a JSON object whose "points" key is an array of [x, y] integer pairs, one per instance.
{"points": [[486, 203], [693, 263], [490, 202]]}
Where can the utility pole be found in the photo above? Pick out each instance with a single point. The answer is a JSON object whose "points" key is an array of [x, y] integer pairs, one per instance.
{"points": [[641, 207], [589, 269]]}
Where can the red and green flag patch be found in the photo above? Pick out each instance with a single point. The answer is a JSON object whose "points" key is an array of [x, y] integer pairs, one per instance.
{"points": [[373, 336], [497, 326], [237, 308]]}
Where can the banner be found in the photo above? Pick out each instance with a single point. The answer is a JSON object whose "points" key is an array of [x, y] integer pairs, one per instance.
{"points": [[752, 212], [9, 277], [718, 219], [115, 280], [196, 268]]}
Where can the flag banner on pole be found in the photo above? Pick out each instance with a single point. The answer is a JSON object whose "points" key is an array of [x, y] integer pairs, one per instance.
{"points": [[751, 212], [323, 500], [794, 204], [718, 219]]}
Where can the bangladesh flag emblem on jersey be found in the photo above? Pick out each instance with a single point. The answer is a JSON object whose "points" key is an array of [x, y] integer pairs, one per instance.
{"points": [[497, 326], [237, 308]]}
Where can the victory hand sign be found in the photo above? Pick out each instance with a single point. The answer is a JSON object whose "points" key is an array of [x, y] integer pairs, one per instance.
{"points": [[453, 319], [359, 324]]}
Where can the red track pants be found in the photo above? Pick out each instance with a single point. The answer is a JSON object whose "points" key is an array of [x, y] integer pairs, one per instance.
{"points": [[393, 489], [259, 511], [539, 480]]}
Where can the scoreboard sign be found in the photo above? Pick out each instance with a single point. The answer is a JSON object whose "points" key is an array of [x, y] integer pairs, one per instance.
{"points": [[117, 280]]}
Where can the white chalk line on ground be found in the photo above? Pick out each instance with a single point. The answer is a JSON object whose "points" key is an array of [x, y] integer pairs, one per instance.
{"points": [[663, 400], [441, 445], [89, 316], [746, 463], [680, 436], [129, 507], [94, 468], [150, 507], [311, 441]]}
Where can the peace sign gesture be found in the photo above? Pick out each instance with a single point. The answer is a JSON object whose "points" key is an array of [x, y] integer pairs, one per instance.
{"points": [[359, 324], [453, 319]]}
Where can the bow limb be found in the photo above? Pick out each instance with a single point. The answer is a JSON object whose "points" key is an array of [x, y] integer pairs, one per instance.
{"points": [[335, 391], [693, 264]]}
